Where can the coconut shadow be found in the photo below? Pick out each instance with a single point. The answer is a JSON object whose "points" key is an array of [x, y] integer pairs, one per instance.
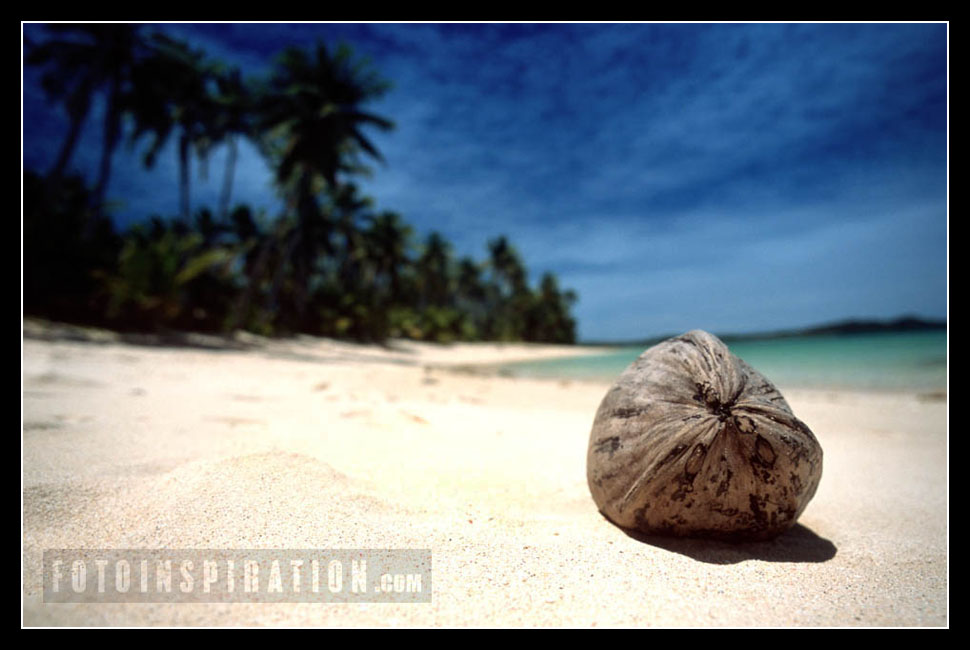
{"points": [[797, 544]]}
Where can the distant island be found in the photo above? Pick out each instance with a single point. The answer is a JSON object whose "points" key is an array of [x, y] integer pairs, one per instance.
{"points": [[838, 328]]}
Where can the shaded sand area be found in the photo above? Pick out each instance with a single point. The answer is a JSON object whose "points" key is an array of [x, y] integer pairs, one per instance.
{"points": [[313, 444]]}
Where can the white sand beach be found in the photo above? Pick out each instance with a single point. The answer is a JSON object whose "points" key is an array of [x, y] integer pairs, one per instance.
{"points": [[315, 444]]}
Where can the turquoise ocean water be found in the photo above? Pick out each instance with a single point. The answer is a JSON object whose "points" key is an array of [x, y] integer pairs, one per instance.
{"points": [[886, 361]]}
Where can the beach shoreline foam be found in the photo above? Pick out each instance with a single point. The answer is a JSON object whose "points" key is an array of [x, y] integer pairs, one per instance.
{"points": [[318, 444]]}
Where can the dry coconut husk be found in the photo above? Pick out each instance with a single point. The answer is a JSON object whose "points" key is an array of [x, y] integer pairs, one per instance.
{"points": [[693, 442]]}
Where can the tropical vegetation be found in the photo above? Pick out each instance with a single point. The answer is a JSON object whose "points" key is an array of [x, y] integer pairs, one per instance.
{"points": [[329, 264]]}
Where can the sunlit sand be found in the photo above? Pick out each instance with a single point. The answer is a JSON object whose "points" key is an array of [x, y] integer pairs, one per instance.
{"points": [[324, 445]]}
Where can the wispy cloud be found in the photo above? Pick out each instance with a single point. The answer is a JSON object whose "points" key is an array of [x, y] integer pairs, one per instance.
{"points": [[724, 176]]}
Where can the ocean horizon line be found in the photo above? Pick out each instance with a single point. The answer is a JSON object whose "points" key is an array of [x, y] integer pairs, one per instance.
{"points": [[846, 326]]}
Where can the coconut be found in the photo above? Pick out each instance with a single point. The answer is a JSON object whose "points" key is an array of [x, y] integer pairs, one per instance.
{"points": [[691, 441]]}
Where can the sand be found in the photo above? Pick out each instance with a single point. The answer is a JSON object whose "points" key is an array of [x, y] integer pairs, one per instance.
{"points": [[314, 444]]}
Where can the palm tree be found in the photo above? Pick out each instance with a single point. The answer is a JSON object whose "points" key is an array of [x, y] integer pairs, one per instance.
{"points": [[549, 319], [507, 267], [508, 291], [234, 106], [82, 60], [433, 269], [311, 124], [389, 242], [346, 207], [472, 294], [171, 90], [312, 116]]}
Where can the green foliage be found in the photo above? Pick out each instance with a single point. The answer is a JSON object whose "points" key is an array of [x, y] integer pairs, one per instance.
{"points": [[168, 277], [329, 265], [310, 115]]}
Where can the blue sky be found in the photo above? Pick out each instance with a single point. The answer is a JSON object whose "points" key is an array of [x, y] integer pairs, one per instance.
{"points": [[732, 177]]}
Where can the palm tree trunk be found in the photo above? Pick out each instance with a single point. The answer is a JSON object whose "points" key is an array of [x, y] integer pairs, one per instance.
{"points": [[184, 207], [112, 132], [227, 179], [306, 208], [77, 109], [67, 149]]}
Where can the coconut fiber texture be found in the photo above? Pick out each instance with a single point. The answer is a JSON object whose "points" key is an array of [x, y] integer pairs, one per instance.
{"points": [[693, 442]]}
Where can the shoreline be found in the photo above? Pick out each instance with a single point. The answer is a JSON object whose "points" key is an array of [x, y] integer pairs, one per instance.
{"points": [[404, 351], [325, 445]]}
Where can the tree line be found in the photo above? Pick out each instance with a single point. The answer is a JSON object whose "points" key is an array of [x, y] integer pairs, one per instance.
{"points": [[329, 264]]}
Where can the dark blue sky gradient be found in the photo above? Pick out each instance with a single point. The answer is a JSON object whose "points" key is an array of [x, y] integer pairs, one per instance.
{"points": [[729, 177]]}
